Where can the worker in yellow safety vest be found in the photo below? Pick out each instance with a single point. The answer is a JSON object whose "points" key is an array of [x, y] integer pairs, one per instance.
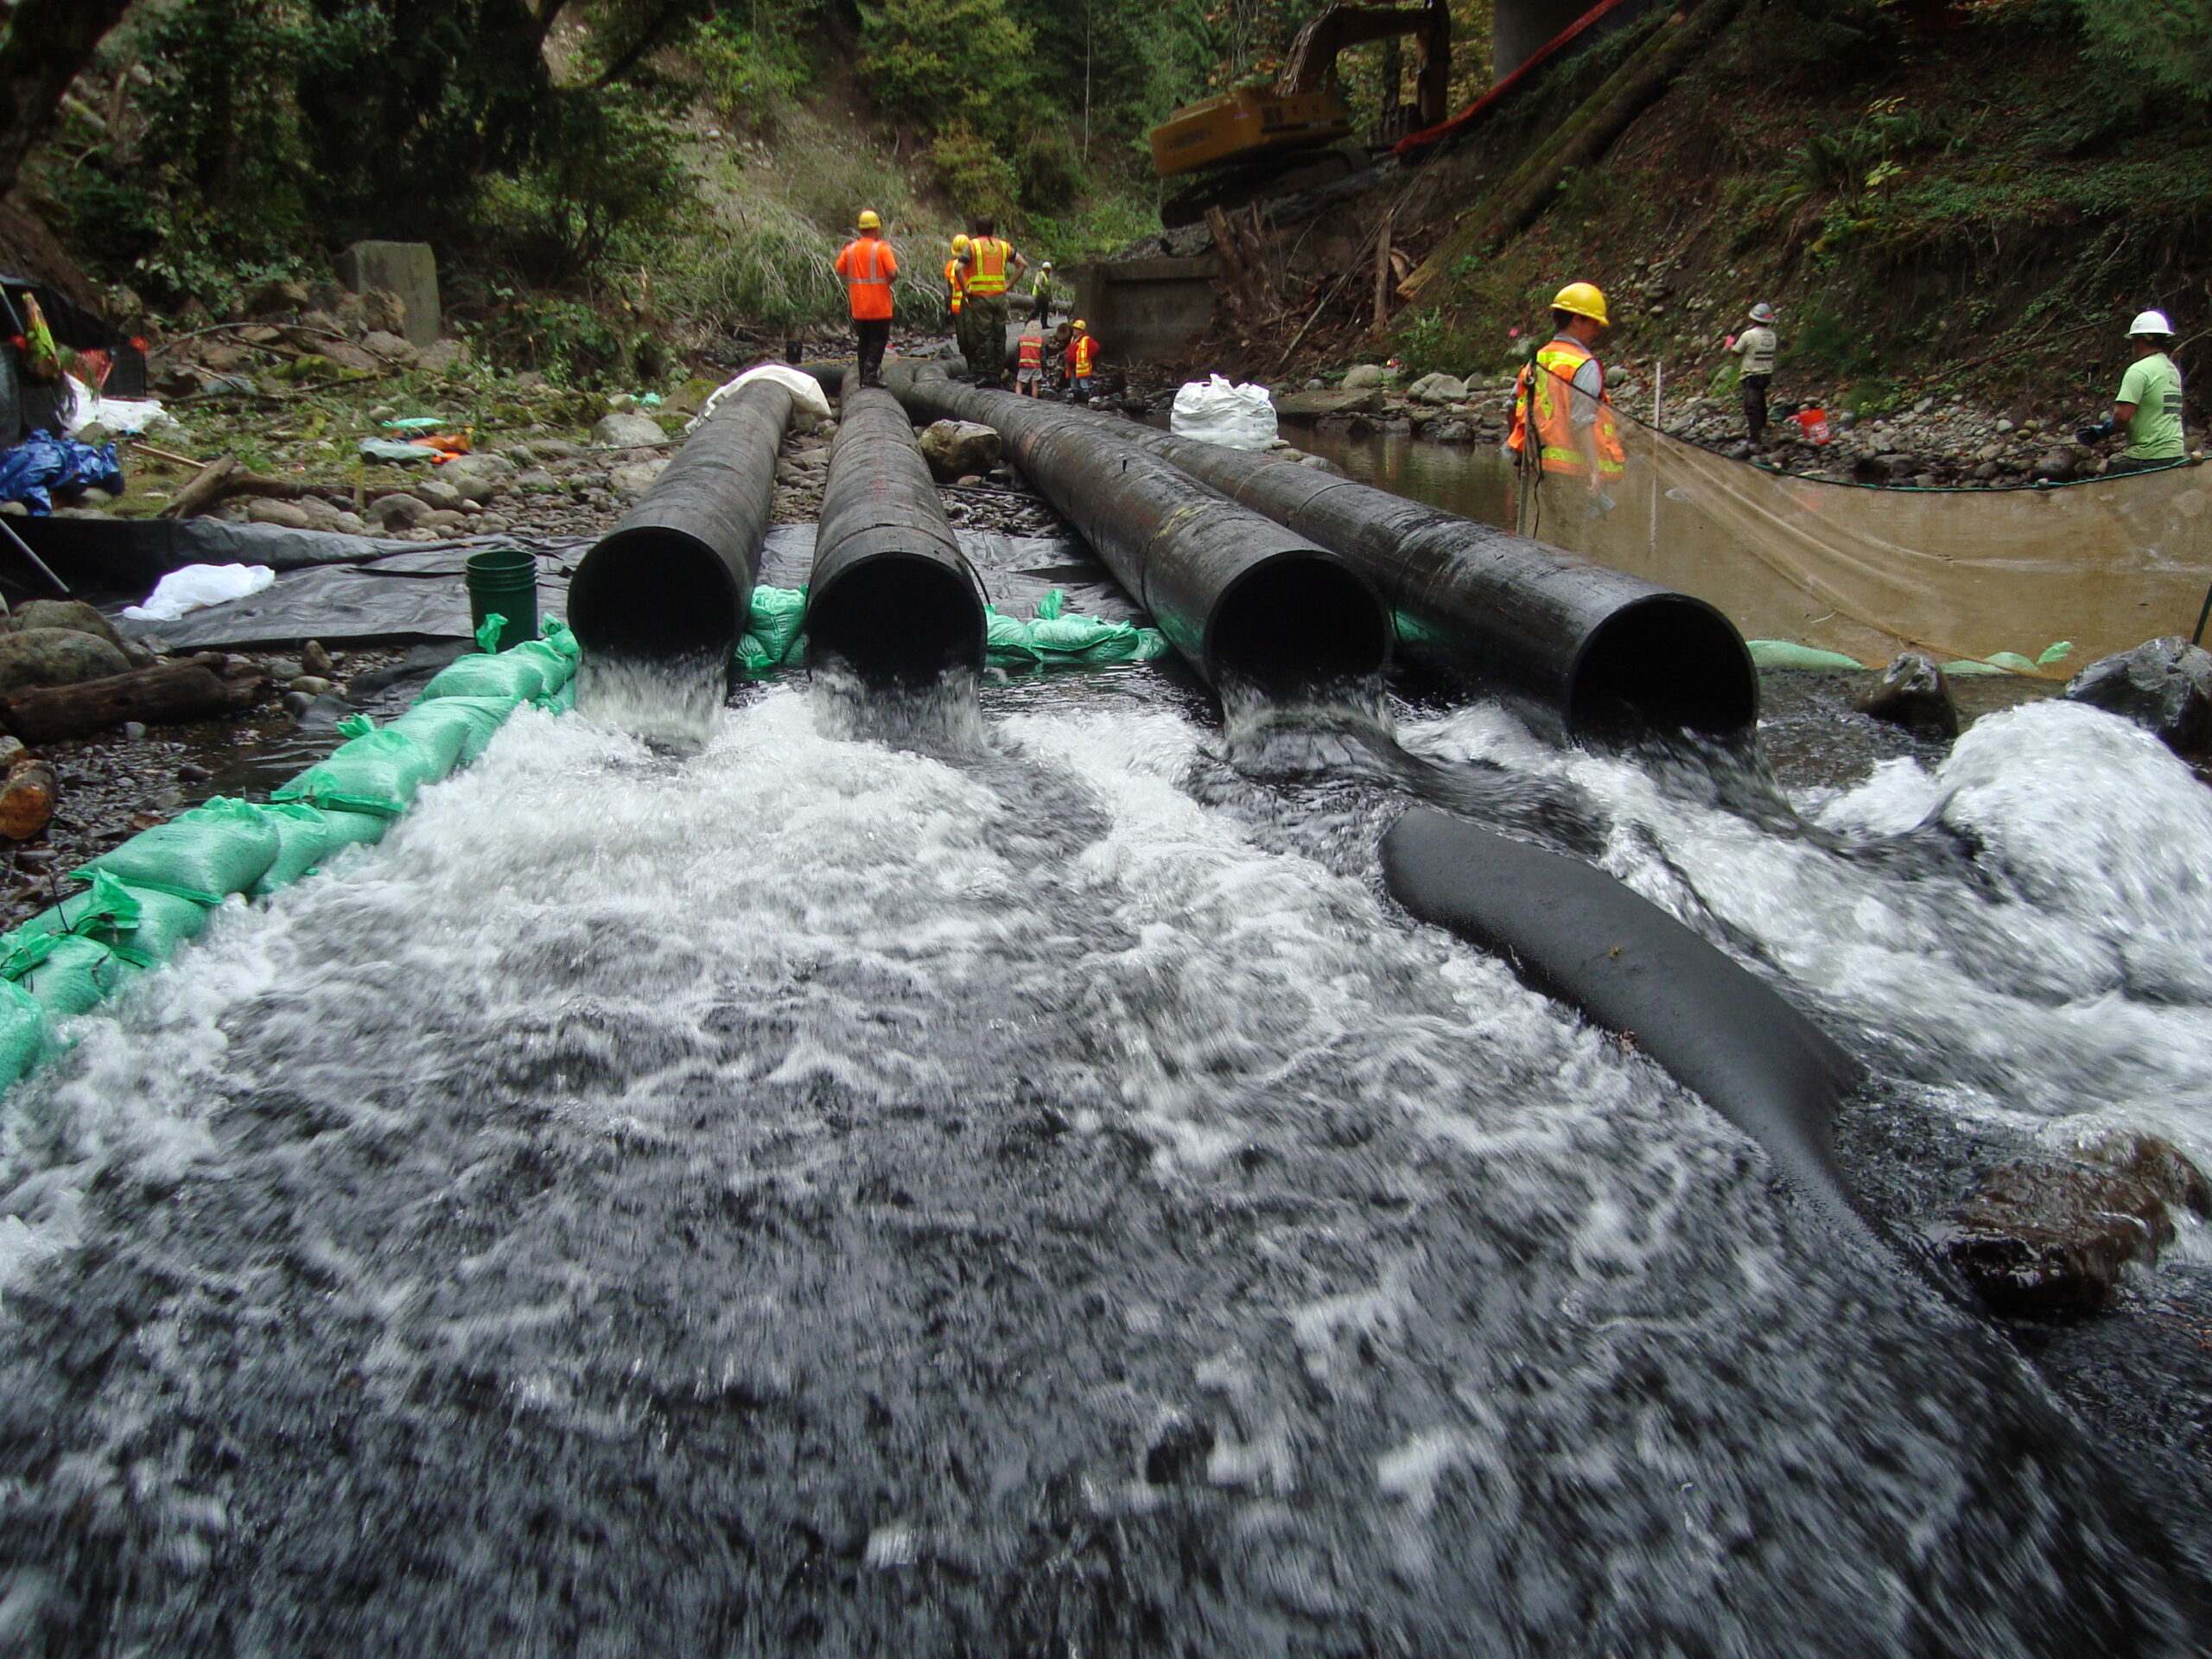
{"points": [[1561, 395], [956, 289], [989, 266]]}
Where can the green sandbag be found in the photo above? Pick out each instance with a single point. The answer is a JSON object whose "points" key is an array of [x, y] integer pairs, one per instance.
{"points": [[66, 973], [1787, 653], [379, 771], [101, 911], [772, 629], [509, 674], [562, 639], [143, 926], [1006, 642], [303, 835], [165, 922], [467, 723], [561, 702], [1057, 639], [22, 1032], [207, 854]]}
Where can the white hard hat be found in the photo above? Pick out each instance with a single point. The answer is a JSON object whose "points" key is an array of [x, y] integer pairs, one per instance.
{"points": [[1762, 312], [2150, 322]]}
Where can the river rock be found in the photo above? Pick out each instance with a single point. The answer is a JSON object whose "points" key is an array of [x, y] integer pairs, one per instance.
{"points": [[955, 449], [440, 492], [2056, 466], [1312, 406], [636, 476], [620, 431], [1912, 692], [1450, 432], [31, 657], [1362, 376], [2162, 685], [2048, 1238], [480, 474], [389, 349], [61, 613], [314, 658], [1437, 388], [393, 513]]}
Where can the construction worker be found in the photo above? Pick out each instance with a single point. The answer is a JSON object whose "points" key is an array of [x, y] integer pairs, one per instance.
{"points": [[991, 265], [1029, 369], [955, 292], [1041, 295], [1082, 360], [1562, 395], [2148, 406], [868, 265], [1754, 350]]}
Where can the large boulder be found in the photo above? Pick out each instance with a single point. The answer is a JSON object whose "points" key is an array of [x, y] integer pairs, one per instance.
{"points": [[1362, 376], [2048, 1238], [626, 430], [290, 515], [61, 613], [1912, 692], [1438, 388], [32, 657], [957, 450], [390, 514], [2164, 685], [636, 476], [478, 475]]}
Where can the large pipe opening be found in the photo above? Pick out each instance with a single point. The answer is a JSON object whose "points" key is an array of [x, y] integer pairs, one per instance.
{"points": [[1295, 622], [1667, 662], [654, 593], [897, 620]]}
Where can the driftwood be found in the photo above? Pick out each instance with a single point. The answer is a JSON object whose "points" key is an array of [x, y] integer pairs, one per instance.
{"points": [[27, 799], [203, 492], [166, 694]]}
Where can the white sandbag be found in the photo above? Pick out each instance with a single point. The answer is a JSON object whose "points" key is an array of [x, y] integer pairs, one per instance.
{"points": [[197, 586], [806, 391], [1214, 411], [118, 415]]}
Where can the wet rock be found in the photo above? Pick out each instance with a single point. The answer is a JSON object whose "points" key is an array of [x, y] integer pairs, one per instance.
{"points": [[1451, 432], [192, 772], [290, 514], [1438, 389], [296, 703], [393, 513], [285, 668], [619, 431], [2057, 465], [62, 614], [315, 657], [1361, 376], [314, 684], [956, 448], [1913, 693], [2049, 1238], [2164, 685], [32, 657]]}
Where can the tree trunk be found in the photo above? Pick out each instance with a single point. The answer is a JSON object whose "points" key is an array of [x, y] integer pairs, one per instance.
{"points": [[165, 695], [48, 43], [203, 492], [27, 799]]}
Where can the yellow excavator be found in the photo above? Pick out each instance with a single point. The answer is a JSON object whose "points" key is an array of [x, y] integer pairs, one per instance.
{"points": [[1258, 141]]}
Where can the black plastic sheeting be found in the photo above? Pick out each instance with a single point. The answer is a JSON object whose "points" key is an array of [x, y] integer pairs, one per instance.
{"points": [[395, 593], [124, 558]]}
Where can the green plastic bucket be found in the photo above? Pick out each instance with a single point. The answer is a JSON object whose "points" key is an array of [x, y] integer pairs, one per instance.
{"points": [[503, 584]]}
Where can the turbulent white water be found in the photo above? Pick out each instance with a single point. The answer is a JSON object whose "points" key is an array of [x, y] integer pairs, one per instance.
{"points": [[798, 1195]]}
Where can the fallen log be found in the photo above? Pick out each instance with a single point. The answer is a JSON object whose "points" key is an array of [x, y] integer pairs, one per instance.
{"points": [[166, 694], [204, 491], [27, 799]]}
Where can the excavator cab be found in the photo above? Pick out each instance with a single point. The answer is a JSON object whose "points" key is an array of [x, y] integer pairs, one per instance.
{"points": [[1256, 141]]}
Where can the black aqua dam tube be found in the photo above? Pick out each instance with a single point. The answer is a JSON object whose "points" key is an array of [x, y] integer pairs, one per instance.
{"points": [[674, 579], [891, 597], [1577, 933], [1239, 595], [1586, 650]]}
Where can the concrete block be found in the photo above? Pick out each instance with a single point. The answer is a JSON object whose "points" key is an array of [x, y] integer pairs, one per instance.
{"points": [[407, 269]]}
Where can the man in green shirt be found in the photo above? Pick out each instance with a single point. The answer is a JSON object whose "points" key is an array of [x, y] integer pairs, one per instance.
{"points": [[2148, 406]]}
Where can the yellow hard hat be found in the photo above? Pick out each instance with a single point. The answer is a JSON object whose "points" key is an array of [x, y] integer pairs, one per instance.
{"points": [[1583, 300], [868, 221], [960, 242], [1080, 324]]}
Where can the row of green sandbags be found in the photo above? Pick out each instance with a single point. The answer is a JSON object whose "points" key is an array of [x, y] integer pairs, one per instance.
{"points": [[157, 890], [1055, 640]]}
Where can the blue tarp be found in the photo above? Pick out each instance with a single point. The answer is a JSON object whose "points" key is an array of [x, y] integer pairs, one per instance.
{"points": [[42, 463]]}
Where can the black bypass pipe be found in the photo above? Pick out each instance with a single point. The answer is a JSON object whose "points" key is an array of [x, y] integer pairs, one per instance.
{"points": [[892, 595], [1587, 649], [674, 579], [1236, 593], [1580, 935]]}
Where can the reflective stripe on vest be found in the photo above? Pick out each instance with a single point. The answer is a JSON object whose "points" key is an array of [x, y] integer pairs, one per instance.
{"points": [[1033, 352], [1086, 352], [868, 263], [1548, 387], [989, 276], [952, 282]]}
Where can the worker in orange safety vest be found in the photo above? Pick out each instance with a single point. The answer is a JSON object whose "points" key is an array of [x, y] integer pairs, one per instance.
{"points": [[956, 284], [869, 265], [1561, 395], [1029, 366], [1082, 360]]}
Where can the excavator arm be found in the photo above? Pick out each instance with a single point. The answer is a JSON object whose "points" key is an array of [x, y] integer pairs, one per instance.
{"points": [[1310, 65]]}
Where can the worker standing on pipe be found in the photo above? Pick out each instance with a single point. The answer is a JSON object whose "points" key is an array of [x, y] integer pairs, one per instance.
{"points": [[1561, 398], [2148, 406], [868, 266], [954, 292], [991, 265], [1082, 360]]}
